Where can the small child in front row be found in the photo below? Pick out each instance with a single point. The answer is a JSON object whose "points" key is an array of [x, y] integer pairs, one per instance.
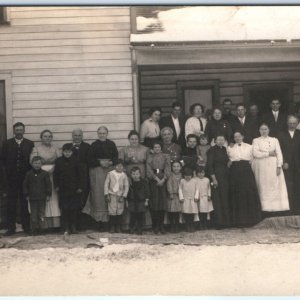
{"points": [[205, 205], [116, 188], [174, 206], [189, 196], [202, 150], [37, 189], [68, 182], [138, 198]]}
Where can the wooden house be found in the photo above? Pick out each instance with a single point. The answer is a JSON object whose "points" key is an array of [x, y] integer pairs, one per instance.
{"points": [[67, 67]]}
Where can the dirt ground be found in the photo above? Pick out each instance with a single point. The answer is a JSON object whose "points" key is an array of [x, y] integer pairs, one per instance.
{"points": [[264, 260]]}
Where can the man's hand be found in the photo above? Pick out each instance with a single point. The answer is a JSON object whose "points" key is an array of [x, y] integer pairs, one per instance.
{"points": [[285, 166]]}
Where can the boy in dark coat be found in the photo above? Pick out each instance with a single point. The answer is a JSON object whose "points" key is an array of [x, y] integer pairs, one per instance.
{"points": [[68, 181], [37, 189], [138, 198]]}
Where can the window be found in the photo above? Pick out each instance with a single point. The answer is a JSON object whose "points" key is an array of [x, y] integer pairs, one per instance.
{"points": [[4, 15]]}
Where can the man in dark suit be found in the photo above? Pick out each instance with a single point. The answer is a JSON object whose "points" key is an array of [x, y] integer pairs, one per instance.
{"points": [[247, 126], [275, 119], [16, 155], [176, 122], [227, 115], [80, 151], [289, 140]]}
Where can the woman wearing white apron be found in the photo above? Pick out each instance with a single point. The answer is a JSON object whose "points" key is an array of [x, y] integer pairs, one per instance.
{"points": [[49, 153]]}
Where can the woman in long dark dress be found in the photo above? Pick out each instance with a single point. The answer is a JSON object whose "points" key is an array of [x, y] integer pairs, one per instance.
{"points": [[217, 161], [217, 126], [243, 194], [102, 155]]}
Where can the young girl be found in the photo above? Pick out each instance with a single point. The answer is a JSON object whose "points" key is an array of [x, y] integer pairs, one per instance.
{"points": [[205, 204], [202, 150], [138, 198], [188, 195], [158, 171], [174, 207], [116, 187]]}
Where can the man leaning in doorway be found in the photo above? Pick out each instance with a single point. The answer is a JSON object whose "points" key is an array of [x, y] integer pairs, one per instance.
{"points": [[275, 119], [16, 155]]}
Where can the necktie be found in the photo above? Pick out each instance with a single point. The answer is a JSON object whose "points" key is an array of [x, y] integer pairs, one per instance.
{"points": [[276, 116], [201, 124], [242, 121]]}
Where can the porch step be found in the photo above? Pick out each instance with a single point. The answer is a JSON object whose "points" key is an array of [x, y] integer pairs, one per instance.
{"points": [[283, 222]]}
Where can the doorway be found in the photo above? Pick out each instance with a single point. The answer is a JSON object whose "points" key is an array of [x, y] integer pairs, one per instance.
{"points": [[2, 113], [204, 92], [263, 94]]}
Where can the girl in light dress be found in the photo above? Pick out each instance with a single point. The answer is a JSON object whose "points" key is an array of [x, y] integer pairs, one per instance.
{"points": [[205, 205], [189, 196], [174, 206]]}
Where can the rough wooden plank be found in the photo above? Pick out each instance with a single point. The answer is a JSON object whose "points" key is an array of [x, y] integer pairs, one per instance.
{"points": [[70, 20], [72, 103], [64, 35], [51, 8], [76, 120], [64, 49], [66, 87], [66, 64], [65, 57], [85, 127], [158, 94], [74, 95], [73, 71], [65, 28], [71, 78], [66, 42], [65, 13]]}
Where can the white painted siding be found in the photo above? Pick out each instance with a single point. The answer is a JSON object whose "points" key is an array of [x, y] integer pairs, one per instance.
{"points": [[70, 67]]}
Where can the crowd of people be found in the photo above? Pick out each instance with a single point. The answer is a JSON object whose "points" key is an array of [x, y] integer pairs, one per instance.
{"points": [[200, 172]]}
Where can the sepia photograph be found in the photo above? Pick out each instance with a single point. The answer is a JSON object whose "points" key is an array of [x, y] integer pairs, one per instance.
{"points": [[149, 150]]}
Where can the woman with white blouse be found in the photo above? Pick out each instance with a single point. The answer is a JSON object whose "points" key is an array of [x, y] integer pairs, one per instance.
{"points": [[267, 168], [244, 200], [196, 123]]}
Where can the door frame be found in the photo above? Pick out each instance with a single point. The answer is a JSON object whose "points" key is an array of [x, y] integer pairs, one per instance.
{"points": [[7, 78], [181, 86], [247, 87]]}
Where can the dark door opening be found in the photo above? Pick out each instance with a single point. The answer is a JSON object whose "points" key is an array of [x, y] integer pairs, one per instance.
{"points": [[263, 94], [2, 113]]}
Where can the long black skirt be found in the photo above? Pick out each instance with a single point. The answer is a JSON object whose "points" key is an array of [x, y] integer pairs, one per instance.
{"points": [[220, 198], [244, 199]]}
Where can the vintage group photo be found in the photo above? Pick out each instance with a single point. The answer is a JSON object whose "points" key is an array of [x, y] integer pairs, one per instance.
{"points": [[166, 138]]}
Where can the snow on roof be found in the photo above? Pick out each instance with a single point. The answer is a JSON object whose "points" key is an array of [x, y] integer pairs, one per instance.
{"points": [[221, 23]]}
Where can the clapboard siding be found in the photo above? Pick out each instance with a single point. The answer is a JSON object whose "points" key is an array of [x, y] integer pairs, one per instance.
{"points": [[70, 67], [159, 87]]}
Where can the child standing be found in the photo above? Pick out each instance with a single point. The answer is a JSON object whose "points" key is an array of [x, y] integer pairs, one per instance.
{"points": [[202, 150], [174, 206], [138, 198], [205, 205], [189, 196], [37, 189], [189, 156], [158, 171], [68, 182], [116, 188]]}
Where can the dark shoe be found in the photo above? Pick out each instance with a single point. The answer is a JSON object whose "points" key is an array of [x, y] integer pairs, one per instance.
{"points": [[132, 230], [118, 229], [9, 233], [162, 229], [112, 229]]}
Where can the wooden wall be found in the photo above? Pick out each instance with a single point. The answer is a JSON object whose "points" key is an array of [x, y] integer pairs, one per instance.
{"points": [[70, 67], [158, 84]]}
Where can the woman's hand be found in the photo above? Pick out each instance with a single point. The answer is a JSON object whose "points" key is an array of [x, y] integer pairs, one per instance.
{"points": [[121, 199], [146, 202], [285, 166], [48, 198], [272, 153], [79, 191], [215, 183], [278, 171], [229, 163]]}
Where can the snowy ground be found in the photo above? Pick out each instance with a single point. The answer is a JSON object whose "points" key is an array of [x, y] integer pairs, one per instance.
{"points": [[257, 261]]}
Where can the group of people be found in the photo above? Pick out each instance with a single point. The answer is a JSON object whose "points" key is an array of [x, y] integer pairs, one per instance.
{"points": [[223, 171]]}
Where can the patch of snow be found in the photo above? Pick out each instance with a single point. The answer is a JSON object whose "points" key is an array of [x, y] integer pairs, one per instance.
{"points": [[234, 23]]}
